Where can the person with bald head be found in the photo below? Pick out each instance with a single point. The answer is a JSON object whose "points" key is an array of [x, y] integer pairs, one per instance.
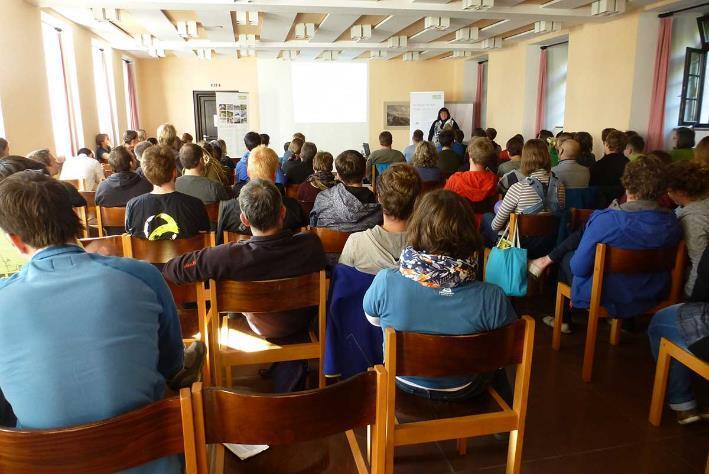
{"points": [[569, 172]]}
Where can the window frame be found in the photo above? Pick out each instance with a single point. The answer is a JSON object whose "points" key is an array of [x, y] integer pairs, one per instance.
{"points": [[696, 124]]}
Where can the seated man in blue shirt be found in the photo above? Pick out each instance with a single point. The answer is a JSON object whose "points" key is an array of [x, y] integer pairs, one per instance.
{"points": [[435, 291], [83, 337], [251, 140]]}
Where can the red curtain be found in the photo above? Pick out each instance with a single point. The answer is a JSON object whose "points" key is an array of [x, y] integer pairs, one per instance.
{"points": [[655, 127], [132, 100], [541, 91], [478, 104]]}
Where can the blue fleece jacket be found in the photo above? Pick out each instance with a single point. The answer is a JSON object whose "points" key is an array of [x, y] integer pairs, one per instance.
{"points": [[624, 295]]}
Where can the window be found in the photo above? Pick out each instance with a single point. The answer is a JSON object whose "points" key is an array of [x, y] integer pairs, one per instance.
{"points": [[131, 99], [693, 110], [557, 62], [61, 76], [105, 91]]}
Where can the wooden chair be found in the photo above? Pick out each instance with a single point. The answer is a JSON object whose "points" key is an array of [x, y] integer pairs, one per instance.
{"points": [[111, 246], [615, 260], [213, 211], [425, 355], [292, 190], [234, 237], [333, 241], [669, 351], [226, 416], [579, 217], [107, 170], [129, 440], [267, 296], [87, 214], [110, 217], [77, 183], [534, 225]]}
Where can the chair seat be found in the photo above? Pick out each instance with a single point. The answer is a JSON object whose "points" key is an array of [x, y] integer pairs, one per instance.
{"points": [[411, 408], [325, 455]]}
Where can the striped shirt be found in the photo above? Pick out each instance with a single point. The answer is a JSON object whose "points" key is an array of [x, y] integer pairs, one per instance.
{"points": [[521, 196]]}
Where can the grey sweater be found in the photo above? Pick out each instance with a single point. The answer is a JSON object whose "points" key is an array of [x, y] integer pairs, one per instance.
{"points": [[694, 218], [336, 208]]}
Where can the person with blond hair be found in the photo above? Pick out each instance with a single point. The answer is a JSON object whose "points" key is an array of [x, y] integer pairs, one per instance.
{"points": [[263, 164], [425, 161], [167, 134]]}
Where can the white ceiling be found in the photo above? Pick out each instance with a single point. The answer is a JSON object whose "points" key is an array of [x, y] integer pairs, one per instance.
{"points": [[510, 20]]}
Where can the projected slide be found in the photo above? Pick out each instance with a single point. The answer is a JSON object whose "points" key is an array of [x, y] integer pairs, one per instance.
{"points": [[329, 92]]}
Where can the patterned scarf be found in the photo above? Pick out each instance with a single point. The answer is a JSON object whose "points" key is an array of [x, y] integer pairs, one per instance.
{"points": [[437, 271], [322, 180]]}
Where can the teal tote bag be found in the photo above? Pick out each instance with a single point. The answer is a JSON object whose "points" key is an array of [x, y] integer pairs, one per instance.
{"points": [[507, 265]]}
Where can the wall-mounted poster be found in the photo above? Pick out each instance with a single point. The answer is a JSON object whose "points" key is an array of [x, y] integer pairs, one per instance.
{"points": [[232, 120], [397, 115]]}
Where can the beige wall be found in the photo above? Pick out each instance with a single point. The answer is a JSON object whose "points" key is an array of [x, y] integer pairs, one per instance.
{"points": [[165, 88], [392, 81], [23, 80], [506, 91]]}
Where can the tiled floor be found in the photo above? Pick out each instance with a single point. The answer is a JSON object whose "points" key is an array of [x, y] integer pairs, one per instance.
{"points": [[572, 427]]}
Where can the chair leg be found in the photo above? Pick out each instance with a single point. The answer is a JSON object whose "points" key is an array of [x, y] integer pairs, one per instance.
{"points": [[662, 372], [558, 320], [462, 446], [616, 325], [514, 453], [590, 348]]}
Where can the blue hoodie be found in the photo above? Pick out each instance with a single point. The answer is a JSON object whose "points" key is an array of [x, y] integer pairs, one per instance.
{"points": [[624, 295]]}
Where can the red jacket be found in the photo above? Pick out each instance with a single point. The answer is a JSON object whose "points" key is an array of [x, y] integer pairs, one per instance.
{"points": [[476, 186]]}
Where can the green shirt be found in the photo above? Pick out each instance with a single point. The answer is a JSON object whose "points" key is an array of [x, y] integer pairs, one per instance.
{"points": [[680, 154]]}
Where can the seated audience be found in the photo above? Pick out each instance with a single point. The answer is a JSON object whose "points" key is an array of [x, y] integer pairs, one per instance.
{"points": [[701, 152], [416, 138], [130, 139], [138, 151], [348, 206], [83, 167], [265, 139], [555, 150], [606, 172], [540, 191], [478, 184], [479, 132], [263, 164], [104, 345], [193, 182], [514, 155], [321, 179], [164, 214], [167, 135], [4, 148], [385, 154], [142, 136], [586, 157], [273, 252], [688, 186], [569, 172], [297, 170], [492, 134], [638, 224], [686, 325], [682, 144], [635, 147], [103, 147], [380, 247], [437, 276], [545, 135], [251, 140], [226, 160], [10, 165], [187, 138], [448, 161], [48, 159], [425, 161], [213, 168], [123, 185], [458, 145]]}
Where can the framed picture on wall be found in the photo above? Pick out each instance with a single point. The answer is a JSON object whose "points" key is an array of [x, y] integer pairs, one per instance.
{"points": [[397, 115]]}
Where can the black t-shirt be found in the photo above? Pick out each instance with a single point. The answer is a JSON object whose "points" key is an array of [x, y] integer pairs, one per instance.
{"points": [[608, 170], [297, 171], [100, 151], [364, 195], [449, 161], [166, 216]]}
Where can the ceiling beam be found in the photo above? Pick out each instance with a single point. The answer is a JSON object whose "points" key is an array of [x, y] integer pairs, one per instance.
{"points": [[314, 46], [393, 24], [276, 26], [157, 24], [217, 23]]}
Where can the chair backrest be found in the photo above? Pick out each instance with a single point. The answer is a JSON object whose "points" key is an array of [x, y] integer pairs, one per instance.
{"points": [[213, 211], [77, 183], [89, 197], [534, 225], [111, 246], [111, 216], [161, 251], [116, 444], [427, 186], [247, 418], [228, 236], [333, 241], [258, 296], [428, 355], [107, 170], [579, 217], [617, 260], [292, 190]]}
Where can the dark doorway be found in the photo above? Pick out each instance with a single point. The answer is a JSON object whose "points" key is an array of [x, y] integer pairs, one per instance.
{"points": [[205, 108]]}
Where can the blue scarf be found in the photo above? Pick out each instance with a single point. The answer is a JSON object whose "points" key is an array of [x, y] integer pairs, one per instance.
{"points": [[437, 271]]}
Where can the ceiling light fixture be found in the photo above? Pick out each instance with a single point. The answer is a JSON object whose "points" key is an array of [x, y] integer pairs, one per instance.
{"points": [[439, 23], [478, 4], [361, 32]]}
